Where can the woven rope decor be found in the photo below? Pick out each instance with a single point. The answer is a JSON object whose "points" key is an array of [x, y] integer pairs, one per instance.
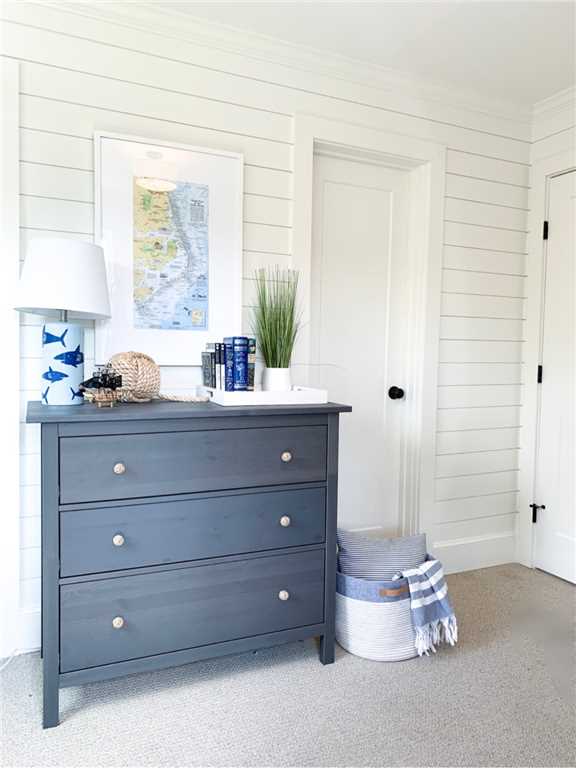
{"points": [[141, 380]]}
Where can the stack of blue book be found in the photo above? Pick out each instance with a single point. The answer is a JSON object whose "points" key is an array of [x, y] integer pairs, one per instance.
{"points": [[230, 364]]}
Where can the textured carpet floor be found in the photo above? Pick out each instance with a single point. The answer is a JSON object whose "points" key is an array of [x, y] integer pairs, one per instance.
{"points": [[503, 697]]}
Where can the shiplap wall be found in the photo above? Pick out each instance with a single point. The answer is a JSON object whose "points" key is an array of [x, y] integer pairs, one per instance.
{"points": [[79, 75], [480, 361]]}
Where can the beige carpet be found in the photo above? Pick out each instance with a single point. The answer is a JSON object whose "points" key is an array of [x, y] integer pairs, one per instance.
{"points": [[503, 697]]}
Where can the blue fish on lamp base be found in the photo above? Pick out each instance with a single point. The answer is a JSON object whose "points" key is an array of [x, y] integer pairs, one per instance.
{"points": [[73, 357], [62, 364], [50, 338], [54, 376]]}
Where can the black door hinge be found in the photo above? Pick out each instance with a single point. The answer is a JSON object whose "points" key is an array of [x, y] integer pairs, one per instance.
{"points": [[535, 508], [539, 379], [545, 231]]}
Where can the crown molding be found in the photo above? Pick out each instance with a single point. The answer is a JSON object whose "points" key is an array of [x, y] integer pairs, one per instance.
{"points": [[554, 115], [170, 22], [563, 100]]}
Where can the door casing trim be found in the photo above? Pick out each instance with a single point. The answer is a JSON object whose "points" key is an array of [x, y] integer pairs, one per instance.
{"points": [[543, 170], [425, 162]]}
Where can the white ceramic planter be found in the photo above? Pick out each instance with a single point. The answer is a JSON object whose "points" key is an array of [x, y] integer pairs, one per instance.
{"points": [[276, 380]]}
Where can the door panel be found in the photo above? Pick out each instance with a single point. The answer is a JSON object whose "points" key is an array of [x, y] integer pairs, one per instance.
{"points": [[555, 531], [358, 299]]}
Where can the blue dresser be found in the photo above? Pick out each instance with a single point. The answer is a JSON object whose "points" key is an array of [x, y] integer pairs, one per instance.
{"points": [[173, 532]]}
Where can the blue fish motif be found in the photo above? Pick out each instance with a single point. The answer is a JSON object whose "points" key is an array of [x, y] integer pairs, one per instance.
{"points": [[76, 394], [73, 357], [53, 376], [50, 338], [45, 395]]}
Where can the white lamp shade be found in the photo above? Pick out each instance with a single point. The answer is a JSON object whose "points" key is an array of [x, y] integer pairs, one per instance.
{"points": [[63, 274]]}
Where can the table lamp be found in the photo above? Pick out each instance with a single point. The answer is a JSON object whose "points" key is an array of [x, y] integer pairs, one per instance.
{"points": [[64, 277]]}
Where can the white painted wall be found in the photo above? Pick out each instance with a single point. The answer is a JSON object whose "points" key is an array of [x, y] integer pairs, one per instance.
{"points": [[78, 75]]}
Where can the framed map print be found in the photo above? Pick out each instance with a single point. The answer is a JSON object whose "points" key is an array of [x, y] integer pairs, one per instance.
{"points": [[169, 218]]}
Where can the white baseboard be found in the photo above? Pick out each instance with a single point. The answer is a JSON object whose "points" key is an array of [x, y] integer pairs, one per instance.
{"points": [[27, 637], [479, 552], [29, 634], [466, 554]]}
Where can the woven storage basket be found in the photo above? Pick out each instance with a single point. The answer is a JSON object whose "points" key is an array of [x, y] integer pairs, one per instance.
{"points": [[373, 618]]}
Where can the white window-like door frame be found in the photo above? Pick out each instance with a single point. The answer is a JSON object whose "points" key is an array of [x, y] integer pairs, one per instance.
{"points": [[542, 171], [426, 163]]}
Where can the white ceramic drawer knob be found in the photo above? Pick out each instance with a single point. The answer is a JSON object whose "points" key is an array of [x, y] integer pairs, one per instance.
{"points": [[286, 456], [283, 594], [118, 540], [285, 521], [117, 622], [119, 468]]}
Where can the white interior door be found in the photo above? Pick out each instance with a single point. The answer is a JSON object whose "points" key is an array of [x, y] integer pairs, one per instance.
{"points": [[359, 300], [555, 529]]}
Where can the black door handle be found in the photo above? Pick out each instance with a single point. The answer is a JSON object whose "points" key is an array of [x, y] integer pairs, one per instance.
{"points": [[395, 393]]}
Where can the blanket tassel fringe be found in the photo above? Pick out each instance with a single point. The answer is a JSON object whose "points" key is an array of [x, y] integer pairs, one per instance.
{"points": [[439, 631]]}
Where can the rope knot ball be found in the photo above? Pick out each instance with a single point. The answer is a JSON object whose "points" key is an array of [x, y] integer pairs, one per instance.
{"points": [[140, 377], [141, 380]]}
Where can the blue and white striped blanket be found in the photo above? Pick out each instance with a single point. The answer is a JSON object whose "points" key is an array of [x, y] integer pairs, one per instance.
{"points": [[433, 619]]}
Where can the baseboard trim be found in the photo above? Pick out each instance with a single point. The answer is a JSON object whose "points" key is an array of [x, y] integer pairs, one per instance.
{"points": [[469, 554], [465, 554], [29, 631]]}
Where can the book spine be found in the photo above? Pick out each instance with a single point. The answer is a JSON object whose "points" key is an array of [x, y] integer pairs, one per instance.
{"points": [[222, 366], [206, 369], [239, 346], [240, 365], [218, 350], [251, 363], [229, 366], [213, 369]]}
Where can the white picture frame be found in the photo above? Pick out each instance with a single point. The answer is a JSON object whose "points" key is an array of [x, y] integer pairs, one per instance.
{"points": [[171, 315]]}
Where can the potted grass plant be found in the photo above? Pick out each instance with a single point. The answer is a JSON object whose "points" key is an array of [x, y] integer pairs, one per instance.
{"points": [[276, 324]]}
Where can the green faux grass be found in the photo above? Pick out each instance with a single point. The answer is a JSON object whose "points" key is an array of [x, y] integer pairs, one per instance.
{"points": [[275, 321]]}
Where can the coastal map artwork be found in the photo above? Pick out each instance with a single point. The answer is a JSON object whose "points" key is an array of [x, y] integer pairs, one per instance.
{"points": [[170, 256]]}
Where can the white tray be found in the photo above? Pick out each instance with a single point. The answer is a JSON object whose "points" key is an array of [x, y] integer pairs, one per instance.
{"points": [[295, 396]]}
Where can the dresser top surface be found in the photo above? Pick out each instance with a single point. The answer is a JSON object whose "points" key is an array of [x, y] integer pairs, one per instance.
{"points": [[46, 414]]}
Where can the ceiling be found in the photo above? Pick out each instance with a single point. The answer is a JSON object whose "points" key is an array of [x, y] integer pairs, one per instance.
{"points": [[520, 51]]}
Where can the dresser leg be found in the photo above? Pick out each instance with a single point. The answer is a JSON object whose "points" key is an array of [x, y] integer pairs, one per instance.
{"points": [[51, 697], [50, 573], [327, 649]]}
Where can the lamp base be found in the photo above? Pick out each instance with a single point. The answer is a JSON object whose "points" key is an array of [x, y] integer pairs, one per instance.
{"points": [[62, 364]]}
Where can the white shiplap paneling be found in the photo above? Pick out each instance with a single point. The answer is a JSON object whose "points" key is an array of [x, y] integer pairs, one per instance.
{"points": [[78, 77], [493, 192], [455, 374], [486, 168], [474, 440], [479, 260], [478, 462]]}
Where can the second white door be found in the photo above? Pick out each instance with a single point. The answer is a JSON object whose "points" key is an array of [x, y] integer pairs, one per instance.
{"points": [[360, 296], [555, 529]]}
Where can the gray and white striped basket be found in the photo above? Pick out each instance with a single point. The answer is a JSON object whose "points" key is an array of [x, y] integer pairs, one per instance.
{"points": [[373, 618]]}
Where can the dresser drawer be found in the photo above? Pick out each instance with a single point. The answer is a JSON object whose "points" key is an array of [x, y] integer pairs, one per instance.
{"points": [[173, 610], [111, 467], [113, 538]]}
